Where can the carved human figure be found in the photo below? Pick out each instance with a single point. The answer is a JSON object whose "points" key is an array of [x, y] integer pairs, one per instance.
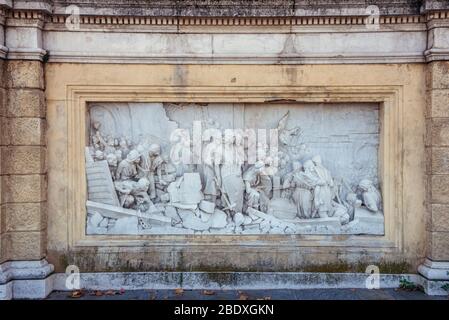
{"points": [[124, 146], [266, 184], [143, 167], [133, 192], [370, 195], [345, 210], [97, 140], [231, 173], [99, 155], [127, 169], [303, 185], [211, 169], [180, 153], [252, 178], [109, 146], [324, 189], [156, 167], [112, 162]]}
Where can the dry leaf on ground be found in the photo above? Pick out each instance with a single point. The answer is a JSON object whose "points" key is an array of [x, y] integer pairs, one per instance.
{"points": [[179, 291], [208, 292], [243, 296], [76, 294]]}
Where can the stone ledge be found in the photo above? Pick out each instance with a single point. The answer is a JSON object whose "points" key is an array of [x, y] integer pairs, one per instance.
{"points": [[42, 285], [226, 280], [25, 279], [434, 270], [22, 270]]}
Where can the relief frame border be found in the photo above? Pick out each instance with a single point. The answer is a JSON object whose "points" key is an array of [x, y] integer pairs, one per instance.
{"points": [[389, 97]]}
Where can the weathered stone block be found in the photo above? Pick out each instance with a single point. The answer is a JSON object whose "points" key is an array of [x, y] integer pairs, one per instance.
{"points": [[439, 103], [3, 248], [4, 136], [438, 77], [440, 217], [26, 131], [438, 246], [440, 160], [440, 132], [23, 159], [440, 188], [24, 216], [428, 156], [24, 188], [2, 102], [428, 135], [24, 74], [26, 103], [26, 245]]}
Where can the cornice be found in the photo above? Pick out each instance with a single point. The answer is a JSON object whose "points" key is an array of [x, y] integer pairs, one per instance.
{"points": [[221, 21]]}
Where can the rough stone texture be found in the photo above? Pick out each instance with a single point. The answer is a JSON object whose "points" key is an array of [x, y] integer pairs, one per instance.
{"points": [[438, 246], [438, 138], [440, 217], [440, 188], [24, 188], [24, 216], [3, 255], [439, 101], [2, 100], [23, 165], [29, 245], [440, 160], [24, 74], [438, 77], [240, 8], [26, 103], [440, 131], [23, 160], [26, 131]]}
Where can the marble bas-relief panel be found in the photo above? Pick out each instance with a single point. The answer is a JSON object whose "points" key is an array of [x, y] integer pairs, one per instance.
{"points": [[167, 168]]}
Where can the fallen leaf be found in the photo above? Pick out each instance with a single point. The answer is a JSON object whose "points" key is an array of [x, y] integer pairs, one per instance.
{"points": [[98, 293], [110, 292], [179, 291], [76, 294], [243, 297], [208, 292]]}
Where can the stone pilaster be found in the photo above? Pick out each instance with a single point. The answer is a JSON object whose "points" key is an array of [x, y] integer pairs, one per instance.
{"points": [[436, 267], [3, 96], [23, 159]]}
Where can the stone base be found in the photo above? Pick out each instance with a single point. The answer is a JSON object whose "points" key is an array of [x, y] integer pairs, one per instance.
{"points": [[25, 279], [435, 275], [227, 280], [33, 280]]}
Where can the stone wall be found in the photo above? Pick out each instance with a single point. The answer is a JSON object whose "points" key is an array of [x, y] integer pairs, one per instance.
{"points": [[438, 164], [3, 256], [23, 161], [192, 51]]}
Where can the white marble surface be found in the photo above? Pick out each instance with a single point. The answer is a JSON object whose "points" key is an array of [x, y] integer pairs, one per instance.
{"points": [[321, 158]]}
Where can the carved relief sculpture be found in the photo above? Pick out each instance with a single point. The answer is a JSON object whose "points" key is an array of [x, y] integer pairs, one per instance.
{"points": [[141, 178]]}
